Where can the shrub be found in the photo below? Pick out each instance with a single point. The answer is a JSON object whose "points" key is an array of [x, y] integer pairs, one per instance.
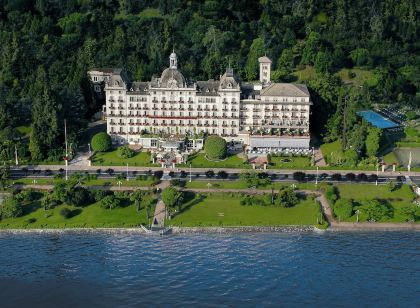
{"points": [[78, 196], [215, 147], [171, 197], [125, 152], [378, 210], [350, 177], [251, 200], [209, 173], [98, 195], [287, 198], [299, 176], [222, 174], [412, 212], [66, 213], [362, 177], [331, 194], [110, 202], [10, 208], [179, 183], [336, 177], [411, 115], [101, 142], [158, 174], [373, 177], [343, 208]]}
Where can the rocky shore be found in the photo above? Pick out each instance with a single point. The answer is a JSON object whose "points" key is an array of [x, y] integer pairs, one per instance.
{"points": [[250, 229]]}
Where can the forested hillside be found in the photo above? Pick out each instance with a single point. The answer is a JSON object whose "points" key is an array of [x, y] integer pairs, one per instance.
{"points": [[364, 51]]}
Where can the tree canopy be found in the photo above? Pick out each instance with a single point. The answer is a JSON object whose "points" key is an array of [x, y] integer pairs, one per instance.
{"points": [[215, 147], [47, 46]]}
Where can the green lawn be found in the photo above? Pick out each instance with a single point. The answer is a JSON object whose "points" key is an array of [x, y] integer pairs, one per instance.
{"points": [[359, 79], [390, 158], [92, 216], [305, 73], [290, 162], [361, 193], [225, 210], [111, 159], [95, 182], [229, 184], [328, 148], [200, 161], [24, 130]]}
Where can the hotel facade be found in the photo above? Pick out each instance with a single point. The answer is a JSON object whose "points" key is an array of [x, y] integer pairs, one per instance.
{"points": [[260, 114]]}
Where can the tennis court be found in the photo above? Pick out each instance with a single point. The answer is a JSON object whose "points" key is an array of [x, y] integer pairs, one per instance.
{"points": [[376, 119]]}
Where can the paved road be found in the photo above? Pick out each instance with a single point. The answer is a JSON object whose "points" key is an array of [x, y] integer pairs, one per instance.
{"points": [[94, 169]]}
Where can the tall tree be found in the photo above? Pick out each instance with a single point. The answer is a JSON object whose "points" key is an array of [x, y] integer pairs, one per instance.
{"points": [[256, 50], [45, 132]]}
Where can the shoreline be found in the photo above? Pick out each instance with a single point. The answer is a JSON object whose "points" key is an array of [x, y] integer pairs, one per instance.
{"points": [[346, 227]]}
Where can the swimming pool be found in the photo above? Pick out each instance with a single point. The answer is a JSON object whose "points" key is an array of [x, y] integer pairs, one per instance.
{"points": [[376, 119]]}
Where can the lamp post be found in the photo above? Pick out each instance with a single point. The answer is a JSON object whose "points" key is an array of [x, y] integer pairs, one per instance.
{"points": [[16, 156], [357, 215], [66, 158], [90, 151], [127, 173], [190, 174], [316, 179], [377, 174], [119, 184]]}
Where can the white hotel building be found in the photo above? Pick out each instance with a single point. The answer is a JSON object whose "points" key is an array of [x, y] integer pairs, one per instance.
{"points": [[263, 114]]}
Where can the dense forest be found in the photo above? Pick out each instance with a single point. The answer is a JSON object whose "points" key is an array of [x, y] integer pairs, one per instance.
{"points": [[46, 47]]}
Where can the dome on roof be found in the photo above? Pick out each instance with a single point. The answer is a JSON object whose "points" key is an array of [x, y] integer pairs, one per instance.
{"points": [[172, 77]]}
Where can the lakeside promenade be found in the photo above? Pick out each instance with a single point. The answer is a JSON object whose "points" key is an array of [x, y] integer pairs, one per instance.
{"points": [[334, 225]]}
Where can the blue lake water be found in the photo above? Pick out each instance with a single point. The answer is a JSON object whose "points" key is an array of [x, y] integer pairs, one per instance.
{"points": [[293, 270]]}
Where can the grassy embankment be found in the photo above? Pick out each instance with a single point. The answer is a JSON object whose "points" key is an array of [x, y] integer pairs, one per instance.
{"points": [[224, 209], [361, 193], [91, 216]]}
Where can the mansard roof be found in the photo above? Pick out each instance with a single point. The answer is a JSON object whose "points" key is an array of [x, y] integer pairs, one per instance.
{"points": [[140, 87], [208, 88], [285, 89]]}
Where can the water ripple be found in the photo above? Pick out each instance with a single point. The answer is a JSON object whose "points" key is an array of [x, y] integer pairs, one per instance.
{"points": [[347, 269]]}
